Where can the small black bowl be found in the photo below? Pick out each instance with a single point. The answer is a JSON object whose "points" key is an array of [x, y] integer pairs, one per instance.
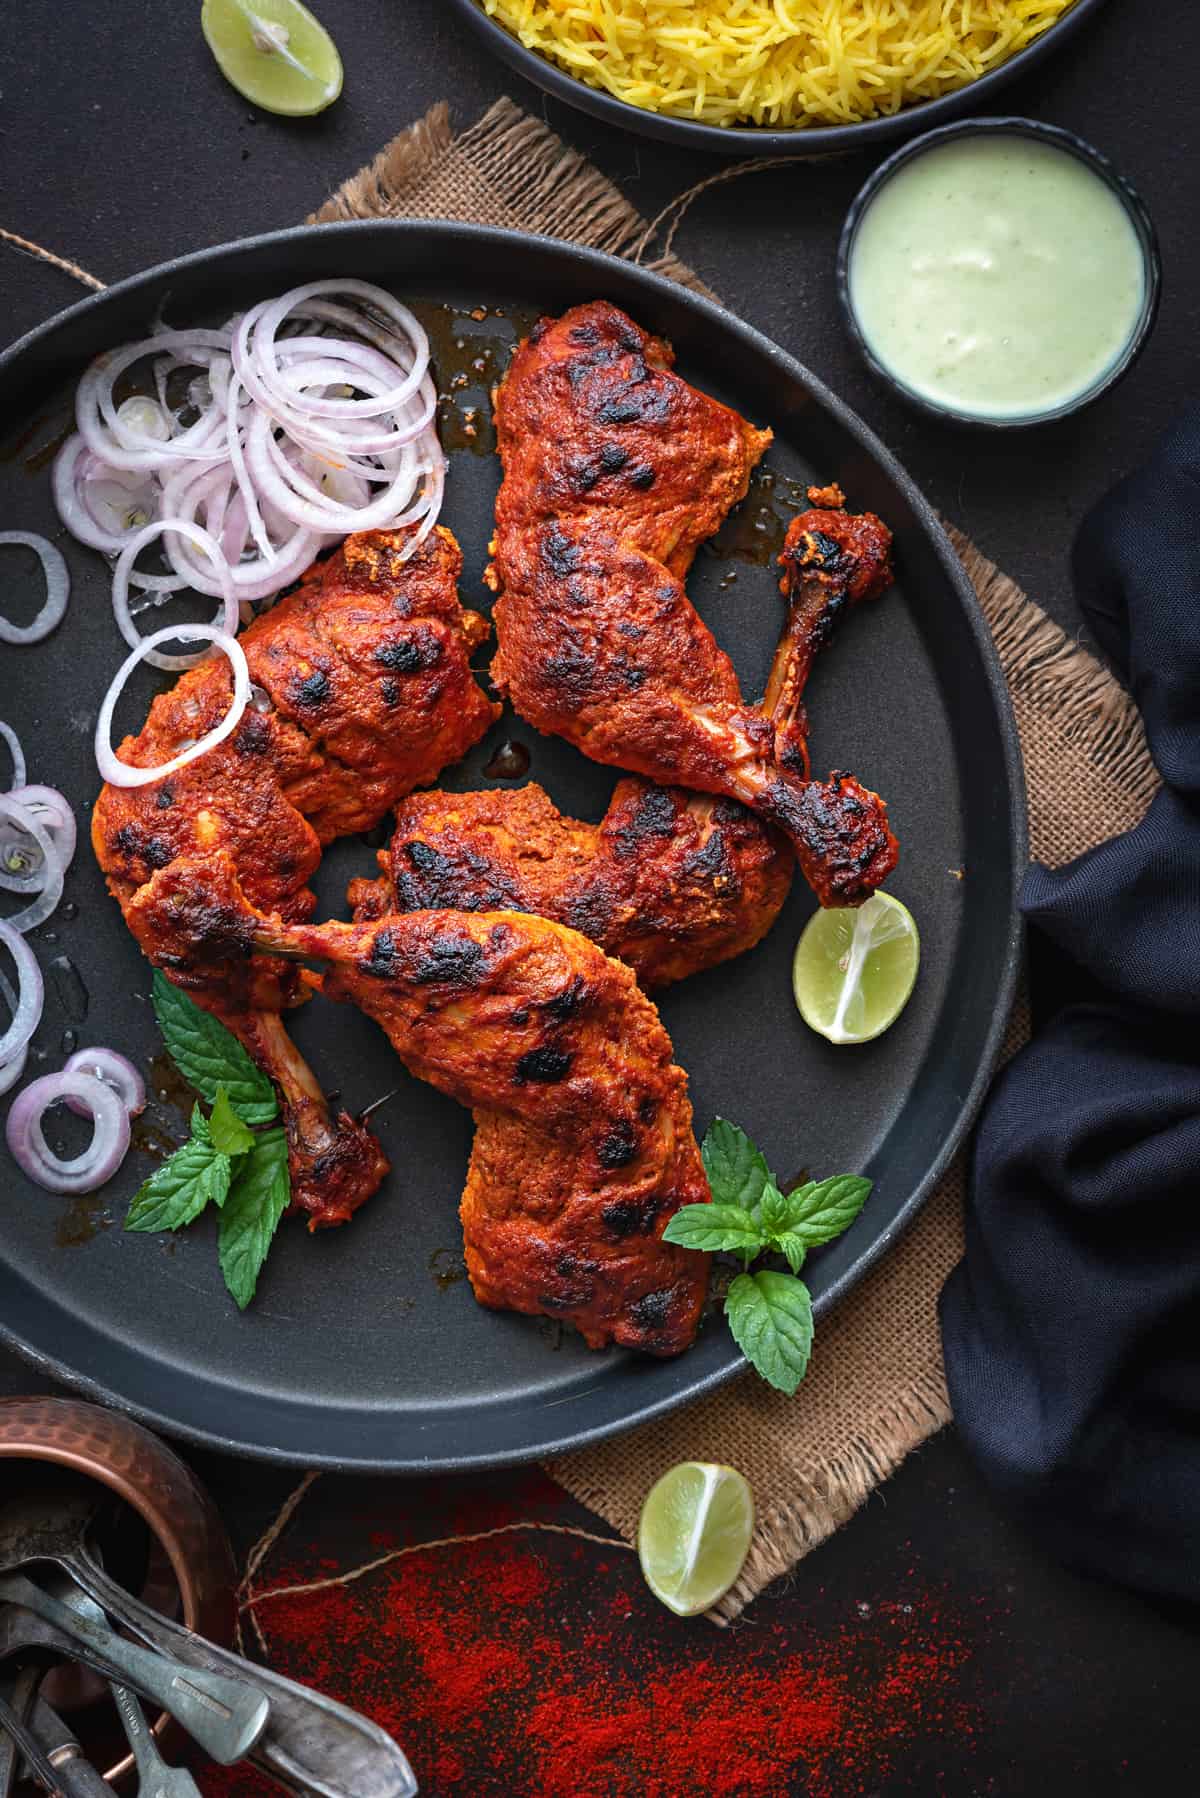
{"points": [[761, 140], [1060, 139]]}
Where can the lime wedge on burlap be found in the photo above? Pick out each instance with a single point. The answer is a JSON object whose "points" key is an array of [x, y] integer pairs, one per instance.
{"points": [[275, 53], [854, 970], [694, 1533]]}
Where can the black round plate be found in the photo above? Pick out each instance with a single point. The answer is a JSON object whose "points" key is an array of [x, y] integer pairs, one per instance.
{"points": [[755, 140], [358, 1352]]}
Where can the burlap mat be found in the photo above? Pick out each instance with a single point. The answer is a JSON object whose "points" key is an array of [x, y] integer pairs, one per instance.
{"points": [[876, 1389]]}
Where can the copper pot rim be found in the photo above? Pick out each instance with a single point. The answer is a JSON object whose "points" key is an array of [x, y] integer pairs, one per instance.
{"points": [[115, 1480]]}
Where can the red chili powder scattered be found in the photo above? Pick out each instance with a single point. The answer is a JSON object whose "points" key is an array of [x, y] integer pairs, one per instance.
{"points": [[507, 1669]]}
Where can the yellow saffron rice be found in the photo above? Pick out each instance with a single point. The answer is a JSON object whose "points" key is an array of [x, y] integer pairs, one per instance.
{"points": [[781, 63]]}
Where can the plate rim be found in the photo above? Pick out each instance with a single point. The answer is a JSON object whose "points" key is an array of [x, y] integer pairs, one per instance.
{"points": [[495, 240], [748, 140]]}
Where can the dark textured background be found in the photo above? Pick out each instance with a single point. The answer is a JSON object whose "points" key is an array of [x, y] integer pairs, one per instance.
{"points": [[119, 146]]}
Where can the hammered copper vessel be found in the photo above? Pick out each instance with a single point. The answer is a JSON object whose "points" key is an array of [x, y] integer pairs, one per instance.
{"points": [[143, 1472]]}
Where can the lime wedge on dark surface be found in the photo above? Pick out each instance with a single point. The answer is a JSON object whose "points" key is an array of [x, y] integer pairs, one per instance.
{"points": [[275, 53]]}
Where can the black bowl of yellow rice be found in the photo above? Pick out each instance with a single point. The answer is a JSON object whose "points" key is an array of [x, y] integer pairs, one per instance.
{"points": [[774, 77]]}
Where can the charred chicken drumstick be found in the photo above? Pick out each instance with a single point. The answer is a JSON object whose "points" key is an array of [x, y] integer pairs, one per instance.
{"points": [[584, 1146], [362, 692], [615, 470], [669, 881]]}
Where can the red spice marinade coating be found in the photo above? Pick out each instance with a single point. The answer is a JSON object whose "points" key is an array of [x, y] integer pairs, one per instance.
{"points": [[538, 1666]]}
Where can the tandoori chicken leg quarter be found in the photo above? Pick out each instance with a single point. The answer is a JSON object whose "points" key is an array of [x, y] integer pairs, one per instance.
{"points": [[669, 881], [584, 1145], [363, 691], [615, 470]]}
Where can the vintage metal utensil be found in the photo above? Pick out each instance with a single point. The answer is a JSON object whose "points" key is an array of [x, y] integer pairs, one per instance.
{"points": [[31, 1750], [225, 1716], [20, 1697], [155, 1778], [311, 1743], [76, 1775]]}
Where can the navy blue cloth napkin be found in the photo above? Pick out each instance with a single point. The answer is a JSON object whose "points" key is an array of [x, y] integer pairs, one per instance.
{"points": [[1072, 1327]]}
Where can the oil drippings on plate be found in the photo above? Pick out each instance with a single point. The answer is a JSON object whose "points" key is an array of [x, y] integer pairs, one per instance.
{"points": [[447, 1267], [150, 1138], [510, 762], [551, 1331], [471, 347], [73, 995], [59, 426], [755, 530], [83, 1220], [724, 1272], [168, 1085]]}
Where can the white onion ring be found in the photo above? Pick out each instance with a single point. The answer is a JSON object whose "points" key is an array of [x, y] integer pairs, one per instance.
{"points": [[58, 590], [266, 318], [50, 884], [54, 814], [27, 1012], [16, 752], [119, 444], [103, 1155], [123, 774], [271, 419], [114, 1070], [226, 619]]}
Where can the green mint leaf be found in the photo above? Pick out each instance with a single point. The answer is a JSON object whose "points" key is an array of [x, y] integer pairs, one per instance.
{"points": [[822, 1209], [770, 1316], [772, 1211], [208, 1056], [714, 1227], [196, 1176], [227, 1129], [257, 1200], [736, 1170], [791, 1245]]}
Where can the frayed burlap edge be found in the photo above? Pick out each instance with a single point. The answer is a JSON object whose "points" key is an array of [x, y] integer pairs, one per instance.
{"points": [[508, 170]]}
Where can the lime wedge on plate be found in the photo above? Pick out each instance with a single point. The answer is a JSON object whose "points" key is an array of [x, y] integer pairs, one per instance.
{"points": [[275, 53], [694, 1533], [854, 970]]}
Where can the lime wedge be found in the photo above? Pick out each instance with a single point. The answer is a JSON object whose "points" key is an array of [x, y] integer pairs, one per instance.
{"points": [[694, 1533], [854, 970], [275, 53]]}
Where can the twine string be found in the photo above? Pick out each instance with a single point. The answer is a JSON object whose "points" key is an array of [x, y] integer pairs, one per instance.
{"points": [[668, 220], [28, 248], [676, 210], [249, 1599]]}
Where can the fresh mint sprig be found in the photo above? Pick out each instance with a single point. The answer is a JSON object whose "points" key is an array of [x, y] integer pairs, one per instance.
{"points": [[226, 1163], [769, 1312], [208, 1056]]}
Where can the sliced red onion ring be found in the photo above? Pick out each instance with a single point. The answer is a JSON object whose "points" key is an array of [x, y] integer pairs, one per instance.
{"points": [[103, 1155], [16, 752], [123, 774], [30, 996], [227, 617], [11, 1071], [54, 814], [115, 1070], [58, 590], [50, 885]]}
